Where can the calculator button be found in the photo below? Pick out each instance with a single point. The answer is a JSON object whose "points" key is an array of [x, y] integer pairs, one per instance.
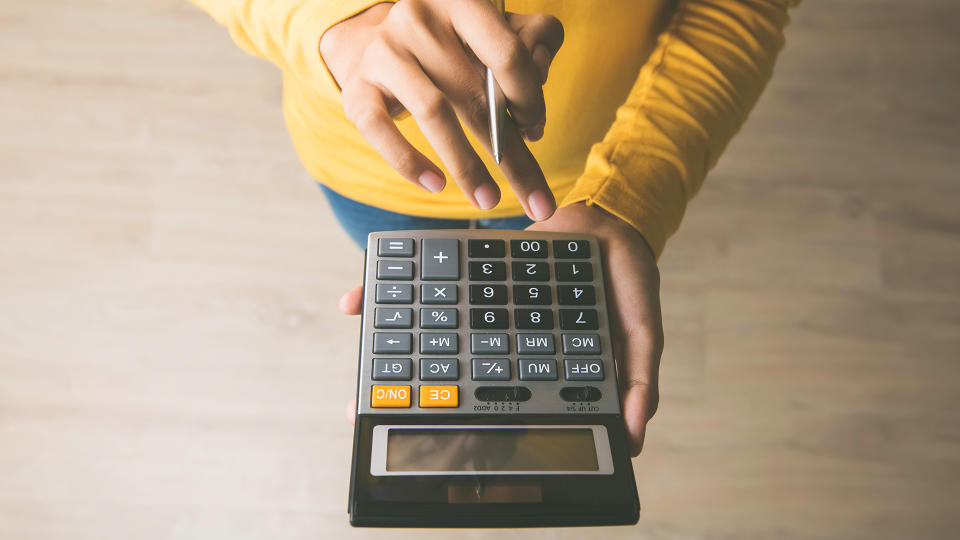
{"points": [[538, 369], [390, 395], [440, 259], [394, 269], [486, 249], [581, 344], [531, 271], [489, 318], [447, 395], [571, 249], [439, 369], [502, 393], [394, 293], [574, 271], [435, 293], [395, 247], [487, 270], [535, 344], [393, 318], [438, 318], [533, 319], [385, 369], [491, 369], [392, 342], [580, 393], [438, 343], [576, 295], [532, 295], [488, 294], [583, 370], [529, 249], [489, 344], [578, 319]]}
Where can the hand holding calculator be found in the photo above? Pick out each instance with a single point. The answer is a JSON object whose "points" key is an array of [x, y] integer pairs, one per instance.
{"points": [[487, 386]]}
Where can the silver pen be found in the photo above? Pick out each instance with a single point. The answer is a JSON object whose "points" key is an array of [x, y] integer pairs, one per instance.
{"points": [[496, 103]]}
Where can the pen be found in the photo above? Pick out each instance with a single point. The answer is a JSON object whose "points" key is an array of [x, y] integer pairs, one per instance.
{"points": [[496, 103]]}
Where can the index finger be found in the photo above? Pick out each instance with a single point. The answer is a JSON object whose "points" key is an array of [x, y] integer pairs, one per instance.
{"points": [[498, 47]]}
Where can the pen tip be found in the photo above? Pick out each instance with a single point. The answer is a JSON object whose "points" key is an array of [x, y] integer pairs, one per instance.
{"points": [[497, 157]]}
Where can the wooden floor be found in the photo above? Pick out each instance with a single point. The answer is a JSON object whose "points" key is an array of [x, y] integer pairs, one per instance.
{"points": [[172, 363]]}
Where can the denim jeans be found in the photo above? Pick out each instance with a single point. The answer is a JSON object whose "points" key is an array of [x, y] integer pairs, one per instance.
{"points": [[359, 219]]}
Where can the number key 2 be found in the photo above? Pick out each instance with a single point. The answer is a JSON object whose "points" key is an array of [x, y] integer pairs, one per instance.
{"points": [[531, 271]]}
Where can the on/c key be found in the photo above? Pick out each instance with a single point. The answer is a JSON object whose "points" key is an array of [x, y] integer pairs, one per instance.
{"points": [[390, 395], [444, 395]]}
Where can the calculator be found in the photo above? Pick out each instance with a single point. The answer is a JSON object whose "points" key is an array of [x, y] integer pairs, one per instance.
{"points": [[487, 388]]}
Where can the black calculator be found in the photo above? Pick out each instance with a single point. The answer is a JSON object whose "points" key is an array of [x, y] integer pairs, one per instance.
{"points": [[487, 388]]}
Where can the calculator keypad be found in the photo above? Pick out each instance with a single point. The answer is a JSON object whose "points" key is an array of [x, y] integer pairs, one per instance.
{"points": [[461, 321]]}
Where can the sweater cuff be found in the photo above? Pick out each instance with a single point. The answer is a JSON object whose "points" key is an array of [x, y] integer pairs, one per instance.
{"points": [[652, 201]]}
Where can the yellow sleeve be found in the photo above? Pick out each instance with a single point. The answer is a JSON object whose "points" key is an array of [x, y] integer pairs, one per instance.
{"points": [[690, 98], [286, 32]]}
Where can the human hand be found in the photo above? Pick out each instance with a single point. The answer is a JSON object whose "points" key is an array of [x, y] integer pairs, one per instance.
{"points": [[429, 57], [633, 297]]}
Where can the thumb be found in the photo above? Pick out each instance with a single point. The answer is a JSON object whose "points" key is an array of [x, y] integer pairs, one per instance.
{"points": [[542, 34]]}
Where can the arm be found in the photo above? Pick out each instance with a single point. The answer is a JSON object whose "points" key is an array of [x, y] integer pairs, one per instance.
{"points": [[286, 32], [701, 81], [691, 97]]}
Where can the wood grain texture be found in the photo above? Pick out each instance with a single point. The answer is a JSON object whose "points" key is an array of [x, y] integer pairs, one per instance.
{"points": [[172, 363]]}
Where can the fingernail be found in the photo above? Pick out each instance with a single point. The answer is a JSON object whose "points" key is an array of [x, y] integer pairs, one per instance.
{"points": [[431, 181], [487, 196], [543, 59], [542, 204]]}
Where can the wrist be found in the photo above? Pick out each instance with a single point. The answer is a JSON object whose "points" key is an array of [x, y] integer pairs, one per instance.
{"points": [[596, 220], [339, 46]]}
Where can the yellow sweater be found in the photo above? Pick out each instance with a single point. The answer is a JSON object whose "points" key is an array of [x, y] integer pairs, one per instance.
{"points": [[641, 100]]}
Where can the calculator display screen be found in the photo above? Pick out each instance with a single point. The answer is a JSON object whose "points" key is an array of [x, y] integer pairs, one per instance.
{"points": [[465, 450]]}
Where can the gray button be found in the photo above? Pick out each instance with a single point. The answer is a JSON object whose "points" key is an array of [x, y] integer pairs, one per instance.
{"points": [[394, 269], [538, 369], [393, 293], [583, 369], [438, 317], [491, 369], [392, 342], [436, 293], [395, 247], [440, 259], [391, 369], [535, 344], [581, 344], [439, 369], [438, 343], [489, 344], [393, 318]]}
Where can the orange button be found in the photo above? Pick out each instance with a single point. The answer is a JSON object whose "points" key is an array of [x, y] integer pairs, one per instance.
{"points": [[439, 396], [390, 395]]}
